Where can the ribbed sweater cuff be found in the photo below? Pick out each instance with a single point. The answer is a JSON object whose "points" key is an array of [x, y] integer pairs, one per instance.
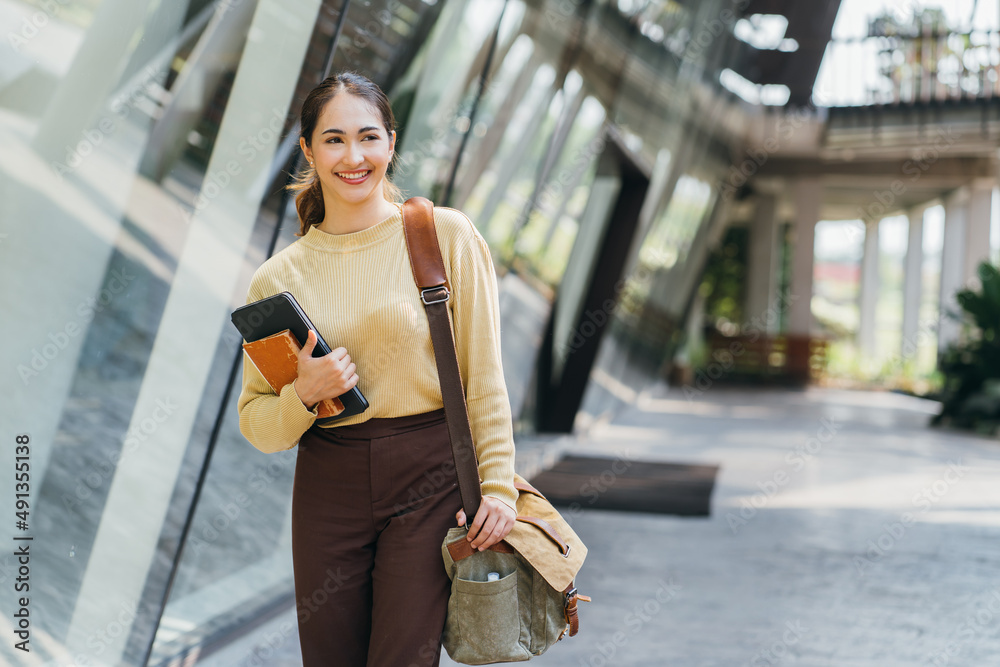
{"points": [[500, 491], [292, 409]]}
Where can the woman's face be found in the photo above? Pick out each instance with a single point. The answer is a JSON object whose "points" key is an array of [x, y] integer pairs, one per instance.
{"points": [[350, 149]]}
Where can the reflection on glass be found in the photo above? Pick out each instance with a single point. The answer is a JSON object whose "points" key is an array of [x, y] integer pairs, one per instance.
{"points": [[129, 143], [436, 93], [508, 181], [657, 290], [672, 234], [544, 243]]}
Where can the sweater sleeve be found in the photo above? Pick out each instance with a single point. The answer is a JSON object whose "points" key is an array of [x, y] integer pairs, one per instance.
{"points": [[271, 422], [476, 313]]}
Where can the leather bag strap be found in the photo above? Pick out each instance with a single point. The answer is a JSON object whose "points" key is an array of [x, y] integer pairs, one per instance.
{"points": [[432, 281], [571, 597], [548, 531], [462, 548]]}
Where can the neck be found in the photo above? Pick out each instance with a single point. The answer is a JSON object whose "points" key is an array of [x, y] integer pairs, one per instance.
{"points": [[347, 217]]}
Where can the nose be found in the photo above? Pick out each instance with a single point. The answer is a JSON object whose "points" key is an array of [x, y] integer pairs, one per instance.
{"points": [[354, 154]]}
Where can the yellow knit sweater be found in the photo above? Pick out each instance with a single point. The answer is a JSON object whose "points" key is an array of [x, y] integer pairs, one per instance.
{"points": [[358, 290]]}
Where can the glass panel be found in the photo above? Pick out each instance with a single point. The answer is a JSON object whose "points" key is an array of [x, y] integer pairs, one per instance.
{"points": [[508, 142], [141, 135], [437, 92], [655, 294], [502, 191], [544, 243], [593, 225]]}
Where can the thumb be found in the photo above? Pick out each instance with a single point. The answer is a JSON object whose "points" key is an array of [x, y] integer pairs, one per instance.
{"points": [[310, 343], [460, 516]]}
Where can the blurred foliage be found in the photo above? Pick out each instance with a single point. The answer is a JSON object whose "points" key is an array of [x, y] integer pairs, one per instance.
{"points": [[724, 280], [920, 44], [921, 21], [846, 368], [971, 392]]}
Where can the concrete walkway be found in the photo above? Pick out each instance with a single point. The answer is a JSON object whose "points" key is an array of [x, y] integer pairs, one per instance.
{"points": [[843, 532]]}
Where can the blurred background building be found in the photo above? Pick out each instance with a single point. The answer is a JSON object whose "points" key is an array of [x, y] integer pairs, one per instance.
{"points": [[675, 192]]}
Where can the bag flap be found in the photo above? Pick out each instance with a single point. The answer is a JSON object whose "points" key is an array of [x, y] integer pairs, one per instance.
{"points": [[532, 541]]}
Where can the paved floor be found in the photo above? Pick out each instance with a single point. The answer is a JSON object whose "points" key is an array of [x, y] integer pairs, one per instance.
{"points": [[843, 532]]}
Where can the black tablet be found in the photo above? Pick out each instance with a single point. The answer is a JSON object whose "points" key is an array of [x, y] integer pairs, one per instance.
{"points": [[274, 314]]}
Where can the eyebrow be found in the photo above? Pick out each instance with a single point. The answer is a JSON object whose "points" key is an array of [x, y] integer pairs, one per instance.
{"points": [[361, 131]]}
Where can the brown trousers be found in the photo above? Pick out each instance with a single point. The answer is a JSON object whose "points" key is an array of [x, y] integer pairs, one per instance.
{"points": [[371, 504]]}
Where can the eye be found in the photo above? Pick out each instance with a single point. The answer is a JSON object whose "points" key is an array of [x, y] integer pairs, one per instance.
{"points": [[332, 139], [372, 136]]}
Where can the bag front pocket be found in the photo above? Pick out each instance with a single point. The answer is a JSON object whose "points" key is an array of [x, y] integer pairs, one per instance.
{"points": [[485, 614]]}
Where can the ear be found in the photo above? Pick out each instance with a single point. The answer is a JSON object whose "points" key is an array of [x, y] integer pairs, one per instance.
{"points": [[392, 142], [305, 149]]}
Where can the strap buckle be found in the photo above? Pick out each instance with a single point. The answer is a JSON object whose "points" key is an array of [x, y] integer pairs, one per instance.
{"points": [[423, 295]]}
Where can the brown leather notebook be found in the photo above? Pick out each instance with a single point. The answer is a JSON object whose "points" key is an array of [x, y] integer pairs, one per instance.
{"points": [[276, 357]]}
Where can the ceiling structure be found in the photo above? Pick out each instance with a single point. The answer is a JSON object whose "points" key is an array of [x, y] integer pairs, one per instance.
{"points": [[810, 24]]}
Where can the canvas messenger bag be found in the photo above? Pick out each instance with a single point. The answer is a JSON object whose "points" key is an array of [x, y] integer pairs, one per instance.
{"points": [[530, 601]]}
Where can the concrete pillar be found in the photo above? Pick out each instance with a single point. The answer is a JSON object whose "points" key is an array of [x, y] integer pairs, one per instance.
{"points": [[952, 259], [806, 193], [977, 231], [762, 262], [912, 280], [868, 294]]}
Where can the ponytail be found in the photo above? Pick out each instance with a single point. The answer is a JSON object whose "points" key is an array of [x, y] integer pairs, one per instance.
{"points": [[308, 200]]}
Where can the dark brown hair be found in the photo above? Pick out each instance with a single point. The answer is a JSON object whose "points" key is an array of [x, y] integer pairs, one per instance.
{"points": [[309, 200]]}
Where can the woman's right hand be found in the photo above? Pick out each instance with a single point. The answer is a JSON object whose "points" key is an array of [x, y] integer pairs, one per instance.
{"points": [[323, 377]]}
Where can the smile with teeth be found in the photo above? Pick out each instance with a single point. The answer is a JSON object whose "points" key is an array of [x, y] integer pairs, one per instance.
{"points": [[354, 176]]}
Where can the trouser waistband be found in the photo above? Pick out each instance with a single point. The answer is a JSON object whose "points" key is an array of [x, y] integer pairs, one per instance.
{"points": [[380, 427]]}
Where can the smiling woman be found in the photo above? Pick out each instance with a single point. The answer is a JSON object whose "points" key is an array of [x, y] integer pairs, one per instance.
{"points": [[349, 141], [374, 494]]}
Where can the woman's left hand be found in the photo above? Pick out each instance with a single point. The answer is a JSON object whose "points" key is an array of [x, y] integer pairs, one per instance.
{"points": [[493, 521]]}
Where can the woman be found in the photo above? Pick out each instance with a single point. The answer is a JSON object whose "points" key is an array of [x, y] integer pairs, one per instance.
{"points": [[374, 494]]}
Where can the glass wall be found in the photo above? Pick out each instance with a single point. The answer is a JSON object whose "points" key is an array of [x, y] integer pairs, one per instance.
{"points": [[144, 147], [141, 144], [137, 140]]}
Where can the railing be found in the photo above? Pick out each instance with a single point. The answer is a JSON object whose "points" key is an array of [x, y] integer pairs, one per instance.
{"points": [[911, 69]]}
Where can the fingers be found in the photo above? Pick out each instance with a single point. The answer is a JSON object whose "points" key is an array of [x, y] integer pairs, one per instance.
{"points": [[344, 371], [499, 532], [481, 535], [491, 533], [493, 522], [460, 517], [348, 371]]}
